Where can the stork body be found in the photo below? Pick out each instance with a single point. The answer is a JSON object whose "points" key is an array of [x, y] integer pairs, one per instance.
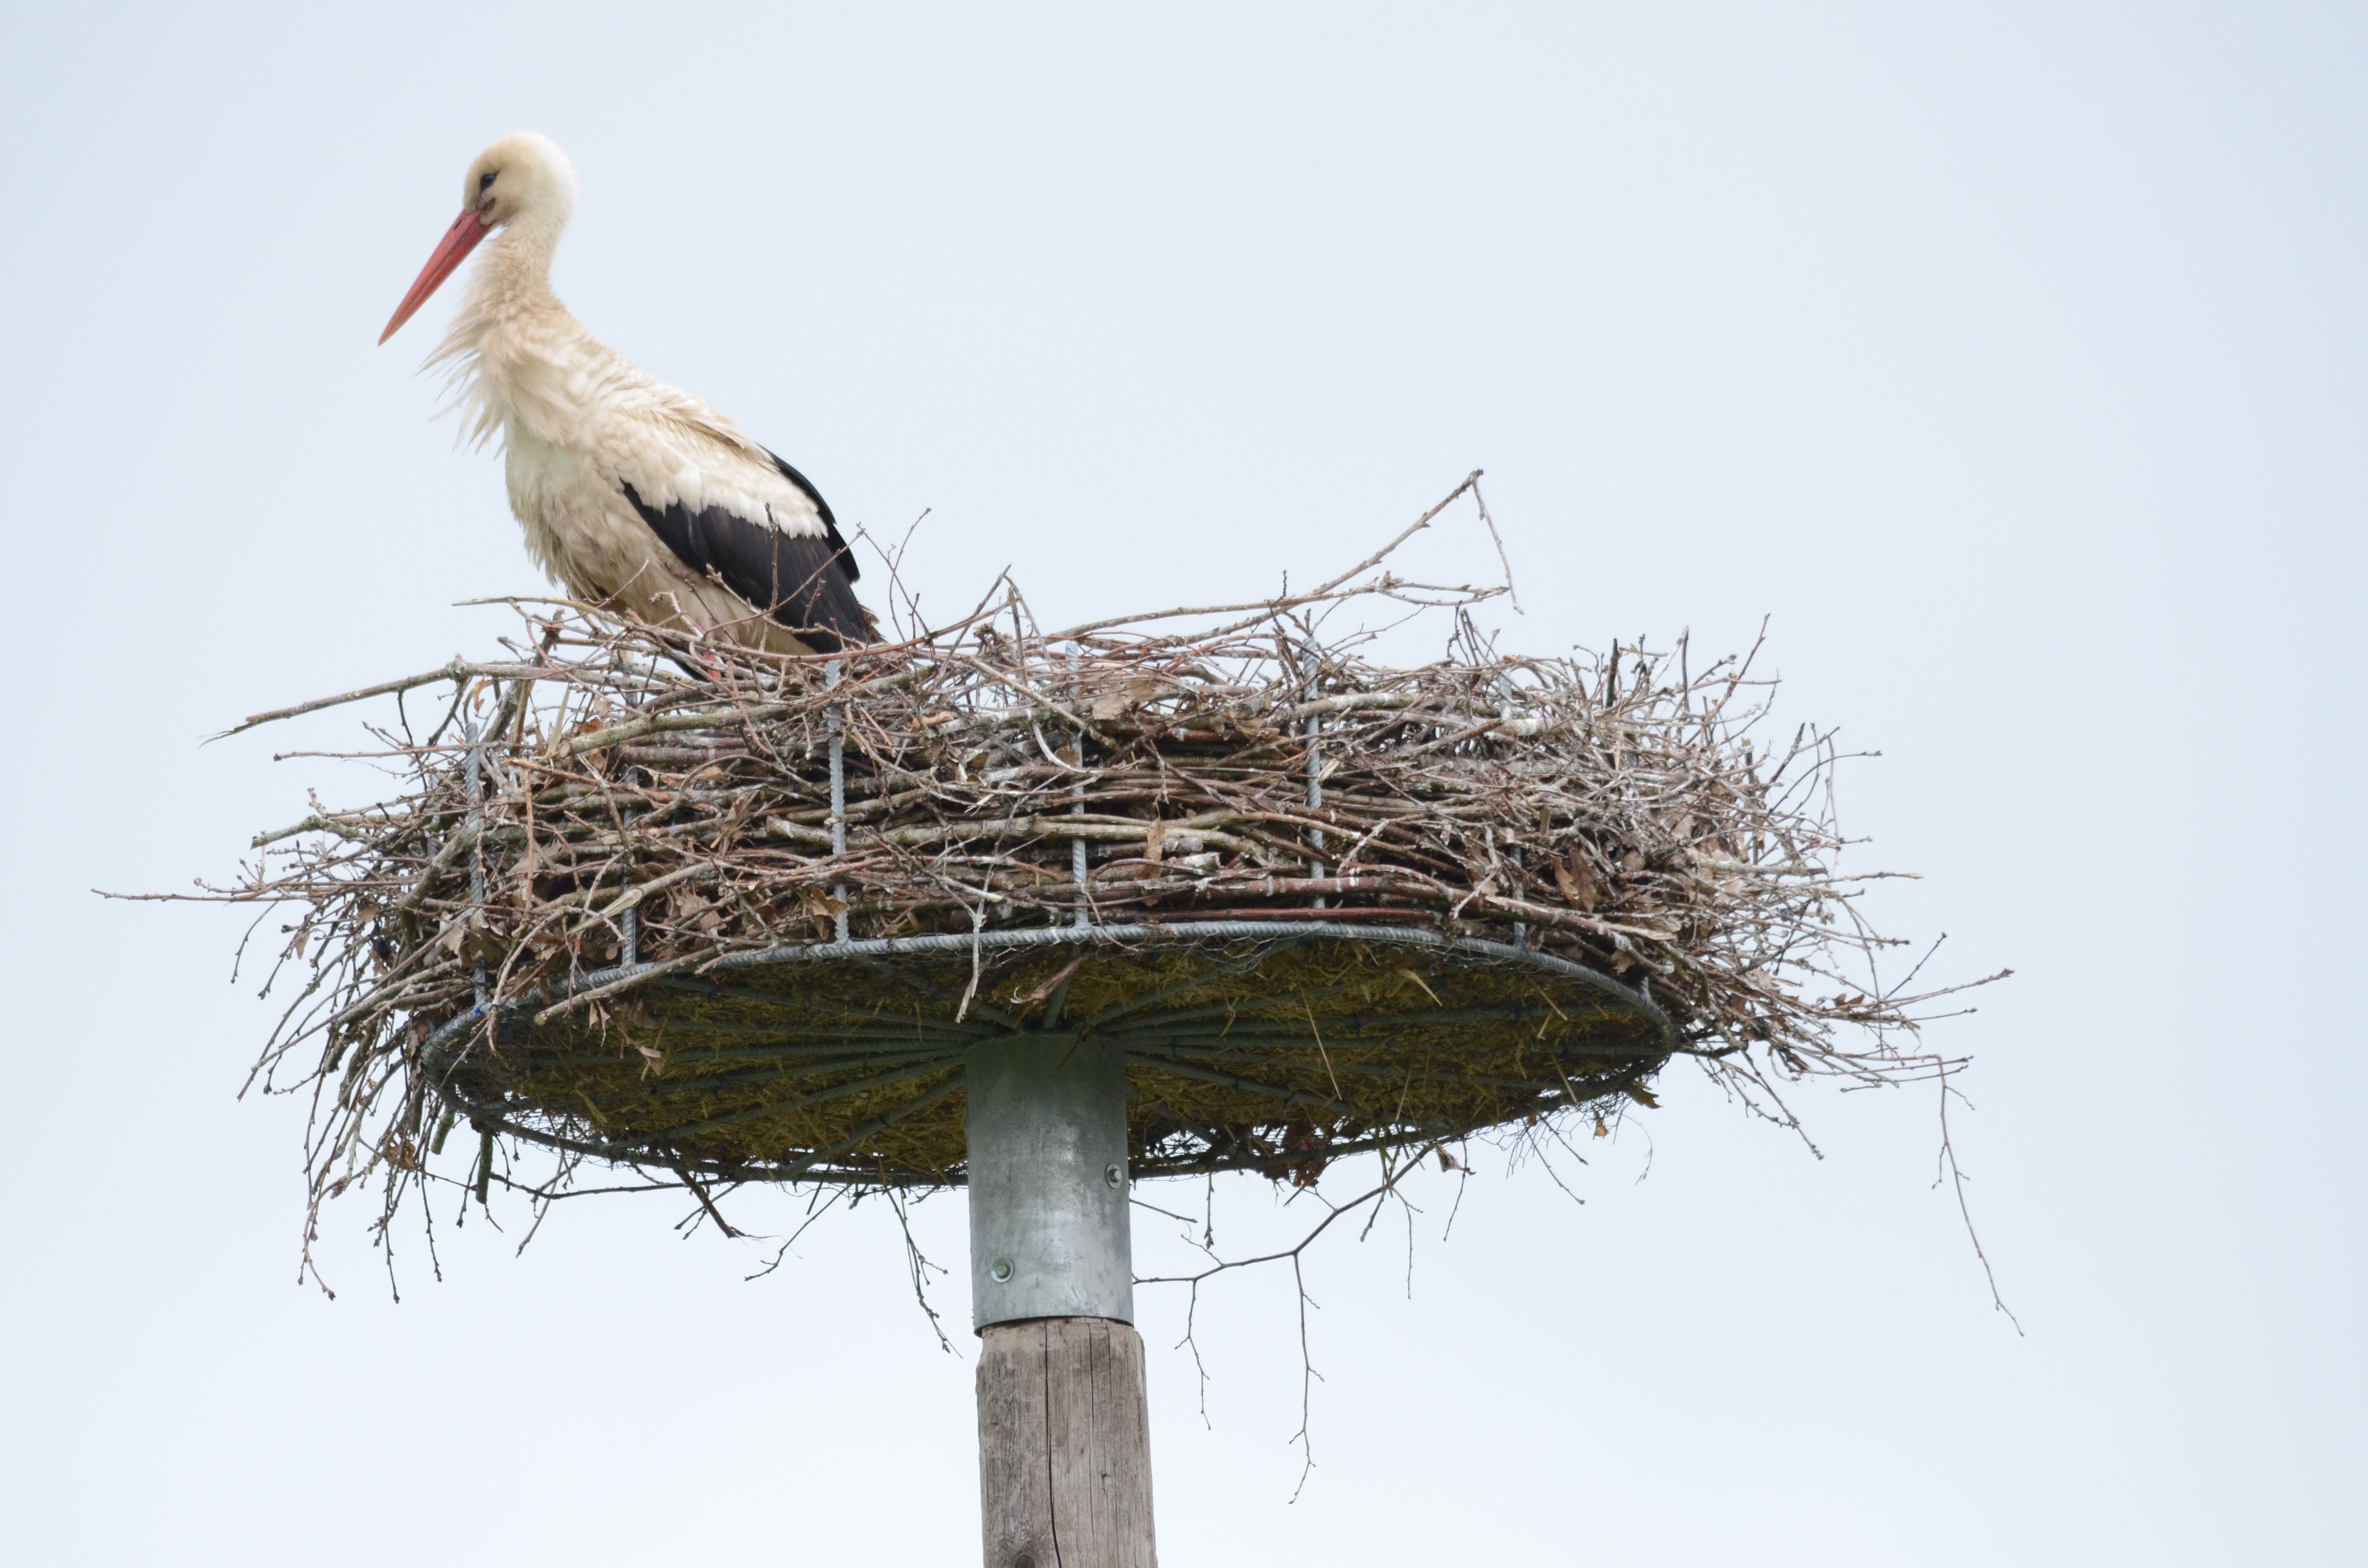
{"points": [[631, 493]]}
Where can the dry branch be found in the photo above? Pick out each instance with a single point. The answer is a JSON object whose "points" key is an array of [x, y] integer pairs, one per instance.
{"points": [[1622, 811]]}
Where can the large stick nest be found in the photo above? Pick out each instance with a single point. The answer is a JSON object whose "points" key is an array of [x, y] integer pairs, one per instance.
{"points": [[616, 909]]}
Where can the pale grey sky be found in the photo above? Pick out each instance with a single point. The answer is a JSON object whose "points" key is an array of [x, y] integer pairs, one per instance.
{"points": [[2010, 356]]}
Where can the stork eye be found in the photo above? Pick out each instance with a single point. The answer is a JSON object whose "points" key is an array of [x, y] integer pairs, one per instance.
{"points": [[486, 182]]}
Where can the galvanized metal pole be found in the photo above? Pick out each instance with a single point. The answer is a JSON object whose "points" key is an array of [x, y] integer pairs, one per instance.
{"points": [[1064, 1435], [837, 802], [1311, 670]]}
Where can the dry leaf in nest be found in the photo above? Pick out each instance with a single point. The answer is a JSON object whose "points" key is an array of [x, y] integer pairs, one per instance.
{"points": [[1125, 699], [823, 909], [1575, 875]]}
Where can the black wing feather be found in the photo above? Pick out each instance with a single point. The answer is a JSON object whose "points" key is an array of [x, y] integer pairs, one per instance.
{"points": [[804, 583], [829, 523]]}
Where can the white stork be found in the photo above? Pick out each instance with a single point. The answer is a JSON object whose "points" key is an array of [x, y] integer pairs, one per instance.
{"points": [[631, 493]]}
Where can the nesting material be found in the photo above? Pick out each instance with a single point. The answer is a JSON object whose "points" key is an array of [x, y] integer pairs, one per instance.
{"points": [[737, 916]]}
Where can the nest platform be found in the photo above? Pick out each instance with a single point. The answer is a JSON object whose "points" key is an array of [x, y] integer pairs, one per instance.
{"points": [[1260, 1045]]}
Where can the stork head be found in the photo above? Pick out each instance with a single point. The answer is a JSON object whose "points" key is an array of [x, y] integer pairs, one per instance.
{"points": [[523, 179]]}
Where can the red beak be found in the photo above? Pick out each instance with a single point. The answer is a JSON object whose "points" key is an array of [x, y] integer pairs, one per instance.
{"points": [[450, 252]]}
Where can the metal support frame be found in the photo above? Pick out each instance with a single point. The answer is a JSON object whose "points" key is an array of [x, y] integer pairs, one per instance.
{"points": [[1078, 871], [473, 771], [443, 1049], [1049, 1231], [1063, 1433], [1313, 666], [837, 801]]}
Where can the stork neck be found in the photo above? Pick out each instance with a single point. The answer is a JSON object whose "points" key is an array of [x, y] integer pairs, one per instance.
{"points": [[510, 327], [521, 254]]}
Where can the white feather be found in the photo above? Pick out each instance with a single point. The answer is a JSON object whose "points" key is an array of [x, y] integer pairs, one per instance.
{"points": [[574, 419]]}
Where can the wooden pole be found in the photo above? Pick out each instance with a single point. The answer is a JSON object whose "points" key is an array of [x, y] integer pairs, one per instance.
{"points": [[1063, 1440], [1063, 1444]]}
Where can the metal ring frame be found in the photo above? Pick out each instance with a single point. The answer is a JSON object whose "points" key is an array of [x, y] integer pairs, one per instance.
{"points": [[440, 1052]]}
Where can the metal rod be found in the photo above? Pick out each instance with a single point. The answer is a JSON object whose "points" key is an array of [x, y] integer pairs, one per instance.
{"points": [[475, 769], [1314, 667], [1228, 1008], [872, 1128], [814, 1036], [820, 1096], [838, 800], [1126, 1005], [874, 1015], [1078, 848], [1391, 1072], [1521, 927], [1346, 1027], [1248, 1086], [746, 1070], [689, 1060]]}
